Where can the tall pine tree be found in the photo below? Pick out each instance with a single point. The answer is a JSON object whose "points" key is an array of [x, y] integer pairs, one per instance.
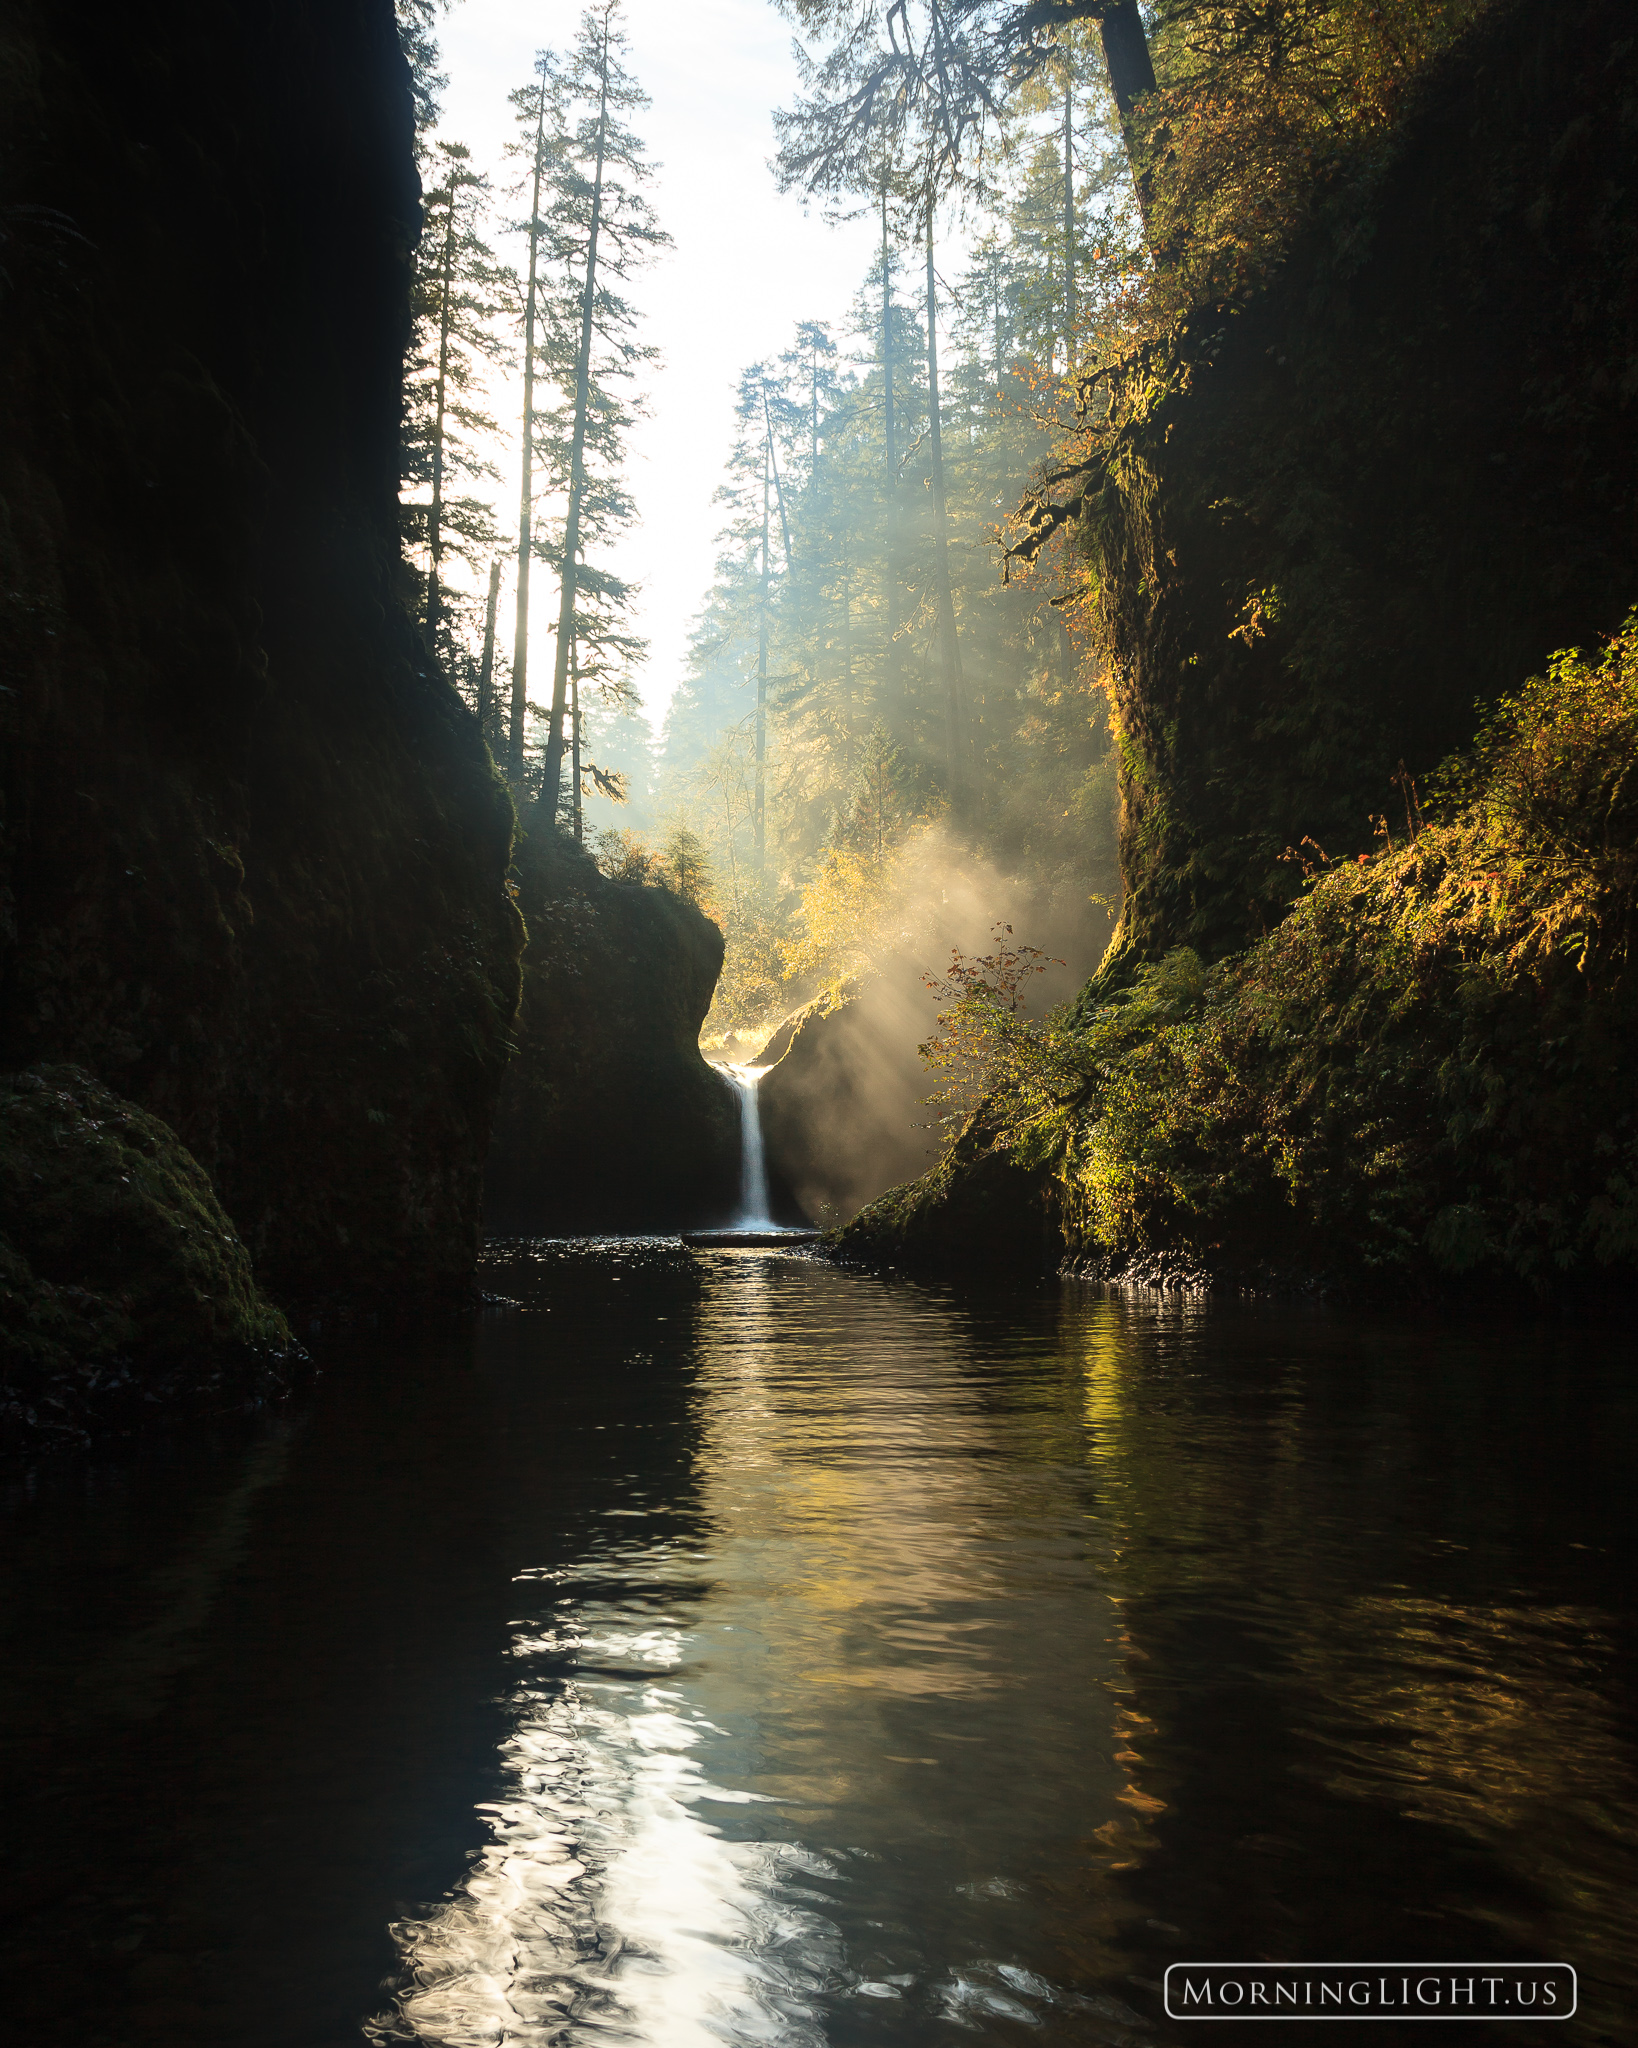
{"points": [[603, 231]]}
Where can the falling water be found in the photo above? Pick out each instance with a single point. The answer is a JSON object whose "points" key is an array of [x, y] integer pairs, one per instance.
{"points": [[753, 1165]]}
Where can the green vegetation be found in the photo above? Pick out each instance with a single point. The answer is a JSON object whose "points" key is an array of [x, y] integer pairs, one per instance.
{"points": [[115, 1256], [868, 616], [1426, 1069]]}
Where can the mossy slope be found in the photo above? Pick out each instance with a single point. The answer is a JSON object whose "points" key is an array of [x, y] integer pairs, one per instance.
{"points": [[119, 1270], [1425, 1074], [1320, 527]]}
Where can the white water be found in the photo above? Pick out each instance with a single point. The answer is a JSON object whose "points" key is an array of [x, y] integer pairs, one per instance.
{"points": [[753, 1165]]}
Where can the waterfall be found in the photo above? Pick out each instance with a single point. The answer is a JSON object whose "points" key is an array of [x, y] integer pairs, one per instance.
{"points": [[753, 1165]]}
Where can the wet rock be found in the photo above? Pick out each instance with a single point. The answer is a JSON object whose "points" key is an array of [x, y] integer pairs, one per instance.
{"points": [[610, 1118], [121, 1277]]}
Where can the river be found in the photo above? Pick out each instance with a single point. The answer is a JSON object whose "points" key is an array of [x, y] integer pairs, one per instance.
{"points": [[718, 1647]]}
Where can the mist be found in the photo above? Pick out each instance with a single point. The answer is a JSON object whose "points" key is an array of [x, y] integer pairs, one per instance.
{"points": [[844, 1107]]}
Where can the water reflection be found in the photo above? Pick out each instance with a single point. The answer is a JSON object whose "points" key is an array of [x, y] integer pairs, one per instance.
{"points": [[724, 1649], [605, 1900], [757, 1813]]}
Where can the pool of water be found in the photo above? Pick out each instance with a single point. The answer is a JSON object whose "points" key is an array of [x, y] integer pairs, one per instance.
{"points": [[717, 1647]]}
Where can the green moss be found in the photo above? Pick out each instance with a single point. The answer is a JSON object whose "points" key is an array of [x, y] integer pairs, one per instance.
{"points": [[1427, 1071], [1318, 527], [118, 1268]]}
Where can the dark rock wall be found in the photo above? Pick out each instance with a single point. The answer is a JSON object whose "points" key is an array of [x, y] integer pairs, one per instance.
{"points": [[252, 851], [610, 1118], [1324, 526]]}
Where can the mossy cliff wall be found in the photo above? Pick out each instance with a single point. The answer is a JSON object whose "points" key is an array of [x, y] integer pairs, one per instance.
{"points": [[252, 851], [610, 1119], [1321, 529], [1323, 526]]}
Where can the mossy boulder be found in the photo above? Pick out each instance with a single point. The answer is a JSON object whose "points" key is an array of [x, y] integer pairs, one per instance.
{"points": [[977, 1210], [120, 1274], [610, 1118]]}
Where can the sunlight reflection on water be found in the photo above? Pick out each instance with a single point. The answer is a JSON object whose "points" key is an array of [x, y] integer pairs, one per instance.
{"points": [[721, 1648], [959, 1631], [841, 1648], [606, 1905]]}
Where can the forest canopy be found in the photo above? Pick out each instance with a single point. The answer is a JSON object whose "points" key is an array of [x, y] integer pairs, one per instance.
{"points": [[898, 641]]}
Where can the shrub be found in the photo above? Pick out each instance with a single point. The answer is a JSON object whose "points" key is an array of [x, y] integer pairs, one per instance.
{"points": [[1428, 1064]]}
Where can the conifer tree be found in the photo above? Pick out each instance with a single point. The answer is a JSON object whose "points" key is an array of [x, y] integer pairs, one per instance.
{"points": [[536, 113], [603, 230], [420, 47], [486, 672], [892, 672], [956, 736], [756, 460], [938, 73], [457, 296]]}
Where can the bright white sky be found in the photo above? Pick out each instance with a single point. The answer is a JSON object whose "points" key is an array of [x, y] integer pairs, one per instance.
{"points": [[748, 264]]}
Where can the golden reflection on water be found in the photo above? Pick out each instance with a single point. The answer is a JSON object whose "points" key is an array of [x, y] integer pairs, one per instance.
{"points": [[990, 1664], [835, 1689], [1483, 1720]]}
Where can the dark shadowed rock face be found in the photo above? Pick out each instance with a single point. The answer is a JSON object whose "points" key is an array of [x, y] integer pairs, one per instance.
{"points": [[976, 1211], [1394, 484], [610, 1119], [119, 1271], [252, 852]]}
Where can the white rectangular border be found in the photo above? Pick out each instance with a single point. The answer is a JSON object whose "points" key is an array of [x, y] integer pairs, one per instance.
{"points": [[1365, 2019]]}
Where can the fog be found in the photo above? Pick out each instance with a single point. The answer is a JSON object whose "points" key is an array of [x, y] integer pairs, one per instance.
{"points": [[844, 1105]]}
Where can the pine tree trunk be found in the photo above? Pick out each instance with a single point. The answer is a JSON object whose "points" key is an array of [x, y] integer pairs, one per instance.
{"points": [[779, 488], [759, 810], [574, 712], [486, 675], [435, 514], [995, 309], [1131, 75], [955, 710], [577, 466], [526, 516], [1070, 308], [892, 676], [847, 671]]}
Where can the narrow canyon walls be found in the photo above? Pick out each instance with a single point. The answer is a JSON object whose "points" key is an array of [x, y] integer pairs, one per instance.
{"points": [[252, 851]]}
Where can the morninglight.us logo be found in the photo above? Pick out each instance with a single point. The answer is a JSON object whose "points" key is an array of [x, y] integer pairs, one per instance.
{"points": [[1370, 1991]]}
